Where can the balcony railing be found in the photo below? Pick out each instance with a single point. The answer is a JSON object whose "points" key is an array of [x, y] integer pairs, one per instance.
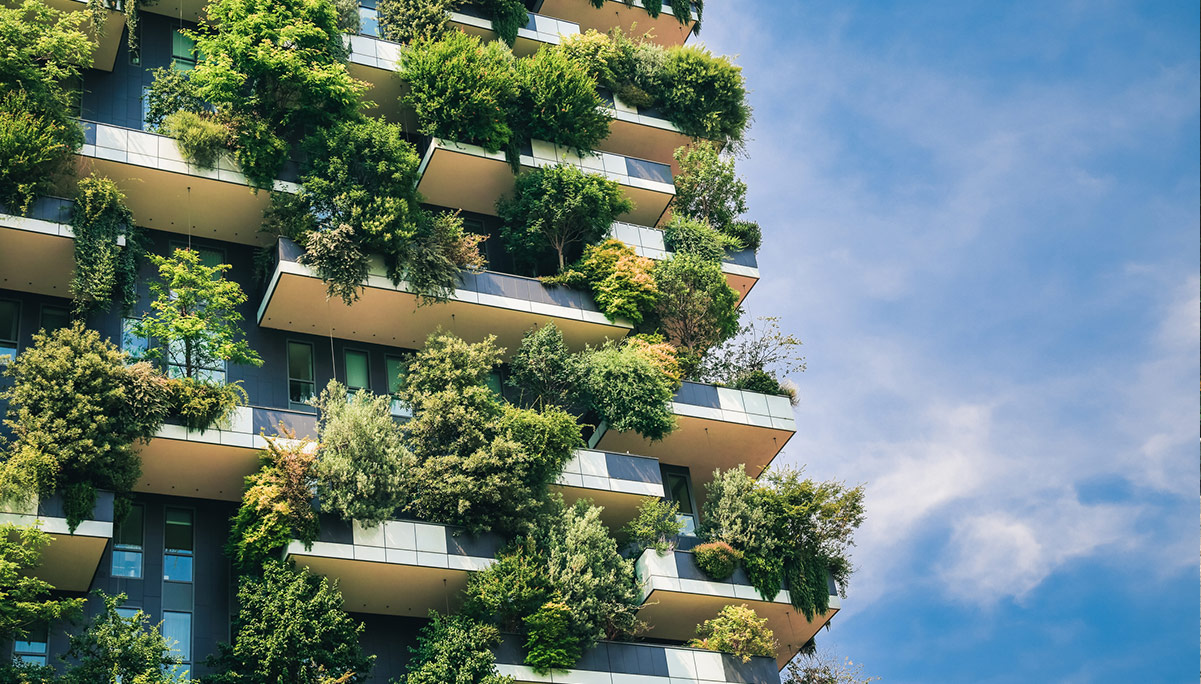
{"points": [[740, 267], [620, 483]]}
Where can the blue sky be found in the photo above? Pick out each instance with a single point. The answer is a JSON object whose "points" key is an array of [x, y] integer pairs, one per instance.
{"points": [[982, 219]]}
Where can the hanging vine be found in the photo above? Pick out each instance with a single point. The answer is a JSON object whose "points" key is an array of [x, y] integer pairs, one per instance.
{"points": [[104, 270]]}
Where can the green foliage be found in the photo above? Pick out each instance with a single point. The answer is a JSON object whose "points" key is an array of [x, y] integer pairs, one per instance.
{"points": [[655, 527], [28, 673], [756, 358], [271, 96], [628, 388], [441, 250], [462, 89], [194, 316], [290, 627], [696, 307], [737, 630], [201, 404], [718, 560], [25, 599], [559, 102], [73, 421], [688, 236], [707, 188], [404, 21], [41, 48], [622, 283], [201, 139], [103, 270], [336, 255], [120, 648], [511, 588], [822, 668], [745, 233], [507, 17], [758, 381], [455, 650], [361, 470], [543, 371], [558, 208], [549, 643], [276, 506]]}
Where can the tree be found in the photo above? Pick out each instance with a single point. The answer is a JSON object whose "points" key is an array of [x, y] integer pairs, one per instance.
{"points": [[194, 316], [290, 627], [276, 506], [544, 372], [696, 308], [559, 102], [116, 648], [25, 600], [694, 236], [655, 527], [737, 630], [41, 48], [756, 358], [404, 21], [621, 282], [360, 473], [558, 208], [706, 95], [103, 269], [707, 188], [823, 668], [455, 650], [628, 388]]}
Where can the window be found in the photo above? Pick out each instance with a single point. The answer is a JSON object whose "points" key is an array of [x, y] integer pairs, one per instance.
{"points": [[397, 368], [127, 545], [32, 649], [183, 52], [177, 545], [495, 384], [368, 19], [677, 485], [54, 317], [127, 612], [177, 630], [10, 318], [300, 374], [358, 375], [131, 342]]}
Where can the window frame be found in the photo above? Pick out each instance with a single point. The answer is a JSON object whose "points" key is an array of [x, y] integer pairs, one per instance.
{"points": [[30, 654], [190, 554], [346, 352], [295, 406], [666, 471], [139, 549]]}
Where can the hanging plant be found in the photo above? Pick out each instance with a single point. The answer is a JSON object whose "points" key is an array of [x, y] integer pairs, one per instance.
{"points": [[104, 270]]}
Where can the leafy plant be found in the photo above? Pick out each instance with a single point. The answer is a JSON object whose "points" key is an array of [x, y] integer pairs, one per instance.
{"points": [[291, 627], [745, 233], [455, 649], [549, 643], [558, 102], [25, 599], [822, 668], [696, 307], [361, 471], [72, 420], [688, 236], [194, 316], [171, 90], [441, 250], [404, 21], [705, 96], [201, 139], [201, 404], [627, 387], [718, 560], [621, 282], [103, 269], [655, 527], [737, 630], [276, 506], [338, 259], [118, 648], [35, 151], [707, 188], [755, 358], [544, 372], [507, 17], [510, 589], [559, 208]]}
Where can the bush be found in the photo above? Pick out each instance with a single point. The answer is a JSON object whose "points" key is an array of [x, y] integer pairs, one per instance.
{"points": [[35, 151], [746, 233], [456, 649], [507, 17], [461, 89], [171, 91], [629, 390], [544, 372], [705, 96], [201, 140], [361, 470], [119, 648], [737, 630], [549, 643], [440, 251], [687, 236], [718, 560], [103, 269], [404, 21], [338, 259], [756, 358], [276, 506], [558, 209], [622, 283], [559, 102], [655, 527], [291, 627], [758, 381], [200, 404], [25, 599], [696, 307]]}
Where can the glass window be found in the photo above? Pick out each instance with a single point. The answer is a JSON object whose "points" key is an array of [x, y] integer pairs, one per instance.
{"points": [[32, 649], [494, 384], [127, 612], [54, 317], [127, 545], [677, 486], [357, 370], [369, 21], [10, 318], [183, 52], [177, 630], [300, 373], [177, 545], [397, 368]]}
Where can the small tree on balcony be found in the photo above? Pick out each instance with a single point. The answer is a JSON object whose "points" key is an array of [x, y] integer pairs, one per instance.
{"points": [[696, 308]]}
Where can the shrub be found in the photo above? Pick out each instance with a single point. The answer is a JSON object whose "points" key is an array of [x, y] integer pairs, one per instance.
{"points": [[558, 209], [696, 307], [549, 643], [655, 527], [404, 21], [621, 281], [456, 649], [628, 389], [687, 236], [201, 140], [276, 506], [291, 627], [746, 233], [461, 89], [440, 251], [511, 588], [25, 599], [200, 404], [119, 648], [35, 151], [338, 259], [758, 381], [171, 91], [558, 102], [103, 269], [544, 372], [737, 630], [72, 422], [360, 473], [507, 17], [704, 95], [707, 188], [718, 560]]}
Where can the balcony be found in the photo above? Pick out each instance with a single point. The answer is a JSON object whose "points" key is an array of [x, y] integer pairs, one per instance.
{"points": [[167, 193], [484, 304], [468, 177], [214, 464], [618, 482], [631, 18], [718, 427], [70, 560], [397, 568], [108, 39], [37, 252], [611, 662], [641, 131], [677, 597], [741, 267]]}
